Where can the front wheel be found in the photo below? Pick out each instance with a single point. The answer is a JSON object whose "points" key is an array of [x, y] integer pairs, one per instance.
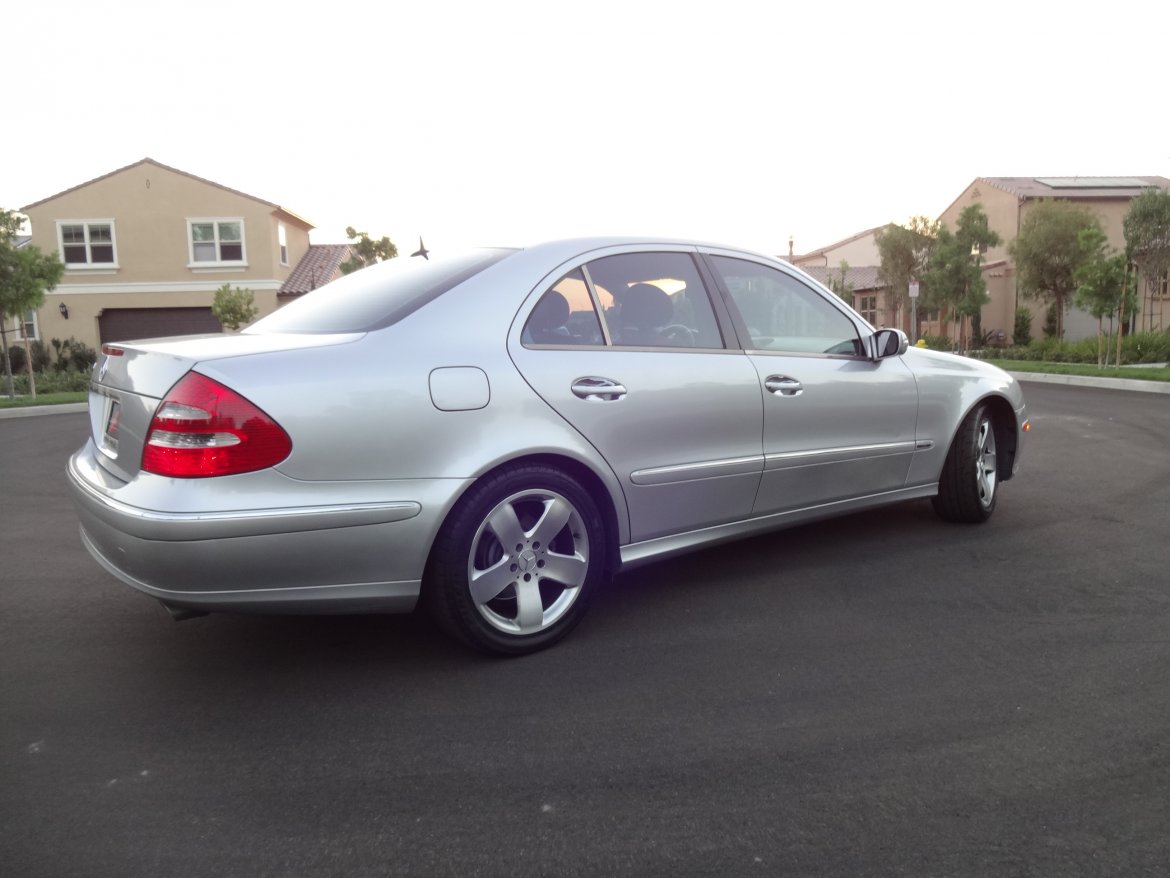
{"points": [[967, 487], [516, 563]]}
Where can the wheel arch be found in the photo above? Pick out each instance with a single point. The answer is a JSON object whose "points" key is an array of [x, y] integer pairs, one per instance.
{"points": [[1007, 438], [584, 474]]}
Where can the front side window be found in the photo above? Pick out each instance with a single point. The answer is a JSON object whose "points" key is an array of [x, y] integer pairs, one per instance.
{"points": [[87, 243], [216, 241], [782, 313]]}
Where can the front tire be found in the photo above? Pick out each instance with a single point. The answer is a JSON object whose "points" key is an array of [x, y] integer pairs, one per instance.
{"points": [[516, 563], [969, 483]]}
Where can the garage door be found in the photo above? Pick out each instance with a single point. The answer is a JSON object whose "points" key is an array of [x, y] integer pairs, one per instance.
{"points": [[124, 324]]}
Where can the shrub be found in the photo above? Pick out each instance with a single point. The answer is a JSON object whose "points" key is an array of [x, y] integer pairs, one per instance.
{"points": [[939, 342], [1050, 321], [16, 356], [53, 382], [1022, 332], [73, 355], [1146, 347]]}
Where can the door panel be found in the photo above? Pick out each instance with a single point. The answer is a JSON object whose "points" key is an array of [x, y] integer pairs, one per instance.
{"points": [[848, 432], [836, 424], [627, 349], [682, 433]]}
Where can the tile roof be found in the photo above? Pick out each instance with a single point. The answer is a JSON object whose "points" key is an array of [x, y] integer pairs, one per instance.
{"points": [[1075, 187], [864, 277], [321, 264]]}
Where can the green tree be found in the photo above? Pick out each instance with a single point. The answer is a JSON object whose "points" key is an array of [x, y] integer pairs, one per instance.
{"points": [[1047, 253], [366, 251], [840, 284], [1102, 279], [234, 308], [26, 274], [954, 273], [904, 252], [1147, 234]]}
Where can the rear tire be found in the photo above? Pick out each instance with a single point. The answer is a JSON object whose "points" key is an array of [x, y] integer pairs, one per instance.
{"points": [[969, 483], [517, 561]]}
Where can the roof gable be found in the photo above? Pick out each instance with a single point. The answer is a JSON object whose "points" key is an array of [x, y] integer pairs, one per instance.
{"points": [[149, 161]]}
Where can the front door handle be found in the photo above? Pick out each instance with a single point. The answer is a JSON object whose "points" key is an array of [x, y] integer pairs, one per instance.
{"points": [[594, 389], [782, 385]]}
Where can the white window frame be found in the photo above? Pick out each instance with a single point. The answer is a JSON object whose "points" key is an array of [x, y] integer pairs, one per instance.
{"points": [[866, 305], [282, 243], [16, 331], [216, 222], [89, 264], [30, 319]]}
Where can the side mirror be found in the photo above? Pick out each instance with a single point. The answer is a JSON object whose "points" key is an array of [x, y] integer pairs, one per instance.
{"points": [[889, 343]]}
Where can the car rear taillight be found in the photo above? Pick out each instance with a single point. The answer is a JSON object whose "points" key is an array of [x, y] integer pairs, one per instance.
{"points": [[202, 428]]}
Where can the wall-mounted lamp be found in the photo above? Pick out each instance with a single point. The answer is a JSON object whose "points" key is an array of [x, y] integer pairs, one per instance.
{"points": [[64, 309]]}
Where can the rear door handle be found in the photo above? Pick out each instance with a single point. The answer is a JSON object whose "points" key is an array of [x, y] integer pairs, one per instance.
{"points": [[595, 389], [782, 385]]}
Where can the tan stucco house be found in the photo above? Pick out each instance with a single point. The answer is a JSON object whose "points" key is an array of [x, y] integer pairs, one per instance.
{"points": [[146, 246], [861, 256], [1007, 201]]}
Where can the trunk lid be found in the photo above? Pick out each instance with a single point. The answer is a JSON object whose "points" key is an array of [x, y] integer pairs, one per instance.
{"points": [[131, 378]]}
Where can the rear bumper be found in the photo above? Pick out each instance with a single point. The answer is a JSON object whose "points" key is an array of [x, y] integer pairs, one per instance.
{"points": [[360, 555]]}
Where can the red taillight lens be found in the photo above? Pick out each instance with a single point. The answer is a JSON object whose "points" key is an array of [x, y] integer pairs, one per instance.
{"points": [[205, 429]]}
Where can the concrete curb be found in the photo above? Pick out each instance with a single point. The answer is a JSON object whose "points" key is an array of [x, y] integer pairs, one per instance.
{"points": [[1090, 381], [32, 410]]}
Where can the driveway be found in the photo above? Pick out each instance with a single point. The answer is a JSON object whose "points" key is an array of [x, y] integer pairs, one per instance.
{"points": [[881, 694]]}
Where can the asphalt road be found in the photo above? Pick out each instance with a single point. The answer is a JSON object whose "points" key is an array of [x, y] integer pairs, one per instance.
{"points": [[881, 695]]}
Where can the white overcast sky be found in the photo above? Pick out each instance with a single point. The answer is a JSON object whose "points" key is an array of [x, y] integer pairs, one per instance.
{"points": [[509, 122]]}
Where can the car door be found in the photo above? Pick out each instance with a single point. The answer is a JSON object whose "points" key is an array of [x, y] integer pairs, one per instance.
{"points": [[628, 348], [837, 424]]}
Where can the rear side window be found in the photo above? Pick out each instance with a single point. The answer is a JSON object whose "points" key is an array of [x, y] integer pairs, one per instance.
{"points": [[377, 296], [564, 315], [645, 300]]}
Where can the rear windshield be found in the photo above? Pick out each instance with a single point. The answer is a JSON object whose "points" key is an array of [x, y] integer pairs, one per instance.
{"points": [[378, 296]]}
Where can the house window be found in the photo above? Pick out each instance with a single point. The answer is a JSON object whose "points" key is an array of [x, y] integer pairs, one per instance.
{"points": [[1160, 286], [87, 243], [282, 239], [216, 241], [867, 308], [22, 329]]}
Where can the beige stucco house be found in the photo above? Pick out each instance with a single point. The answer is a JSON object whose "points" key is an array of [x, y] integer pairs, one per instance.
{"points": [[861, 256], [146, 246], [1007, 201]]}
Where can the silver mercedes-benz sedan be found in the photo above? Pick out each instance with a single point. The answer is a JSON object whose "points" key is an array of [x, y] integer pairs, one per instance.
{"points": [[494, 433]]}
